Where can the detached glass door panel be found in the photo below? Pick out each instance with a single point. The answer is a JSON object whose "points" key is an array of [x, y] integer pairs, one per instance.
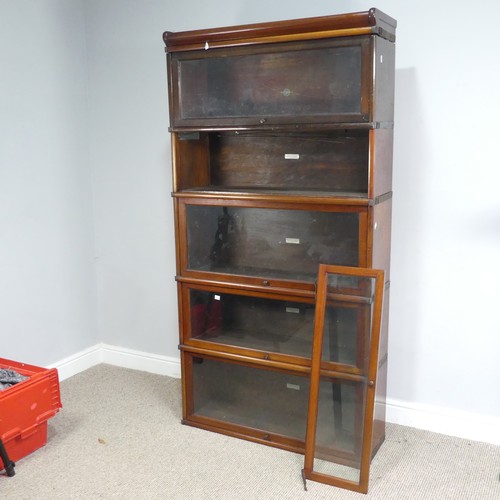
{"points": [[323, 462]]}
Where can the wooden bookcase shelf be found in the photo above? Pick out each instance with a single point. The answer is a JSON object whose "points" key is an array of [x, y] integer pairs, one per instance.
{"points": [[282, 140]]}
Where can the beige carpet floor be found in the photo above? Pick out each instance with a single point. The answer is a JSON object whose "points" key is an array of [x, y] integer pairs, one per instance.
{"points": [[119, 437]]}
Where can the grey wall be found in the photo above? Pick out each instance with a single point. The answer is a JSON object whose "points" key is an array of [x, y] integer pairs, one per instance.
{"points": [[444, 330], [47, 272], [129, 161]]}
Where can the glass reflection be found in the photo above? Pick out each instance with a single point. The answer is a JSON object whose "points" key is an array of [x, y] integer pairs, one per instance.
{"points": [[287, 244]]}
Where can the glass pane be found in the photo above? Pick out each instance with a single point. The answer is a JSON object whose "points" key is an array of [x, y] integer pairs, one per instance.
{"points": [[347, 324], [287, 244], [272, 84], [271, 401], [252, 322], [346, 285], [345, 335], [339, 429], [276, 402], [348, 320]]}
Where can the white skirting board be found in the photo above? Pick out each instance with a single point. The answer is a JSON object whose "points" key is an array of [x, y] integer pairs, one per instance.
{"points": [[466, 425], [117, 356]]}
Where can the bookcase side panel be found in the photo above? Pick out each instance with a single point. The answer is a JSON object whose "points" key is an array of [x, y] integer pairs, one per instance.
{"points": [[384, 73]]}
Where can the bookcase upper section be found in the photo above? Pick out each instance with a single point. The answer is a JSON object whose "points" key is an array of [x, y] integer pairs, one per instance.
{"points": [[317, 71]]}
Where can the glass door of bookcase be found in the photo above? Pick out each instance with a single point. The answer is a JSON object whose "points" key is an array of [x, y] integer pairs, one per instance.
{"points": [[268, 242], [328, 459], [268, 85]]}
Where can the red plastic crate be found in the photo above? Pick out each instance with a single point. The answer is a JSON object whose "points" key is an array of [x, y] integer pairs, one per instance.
{"points": [[26, 407]]}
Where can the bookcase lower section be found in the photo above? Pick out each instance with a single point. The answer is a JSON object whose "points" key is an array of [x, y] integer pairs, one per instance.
{"points": [[269, 406]]}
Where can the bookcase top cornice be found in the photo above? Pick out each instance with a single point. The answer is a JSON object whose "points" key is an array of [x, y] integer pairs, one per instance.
{"points": [[372, 21]]}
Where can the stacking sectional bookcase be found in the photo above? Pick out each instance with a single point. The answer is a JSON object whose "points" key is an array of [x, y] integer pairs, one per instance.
{"points": [[282, 140]]}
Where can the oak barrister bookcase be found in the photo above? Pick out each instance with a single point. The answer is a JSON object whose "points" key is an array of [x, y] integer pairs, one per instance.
{"points": [[282, 183]]}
